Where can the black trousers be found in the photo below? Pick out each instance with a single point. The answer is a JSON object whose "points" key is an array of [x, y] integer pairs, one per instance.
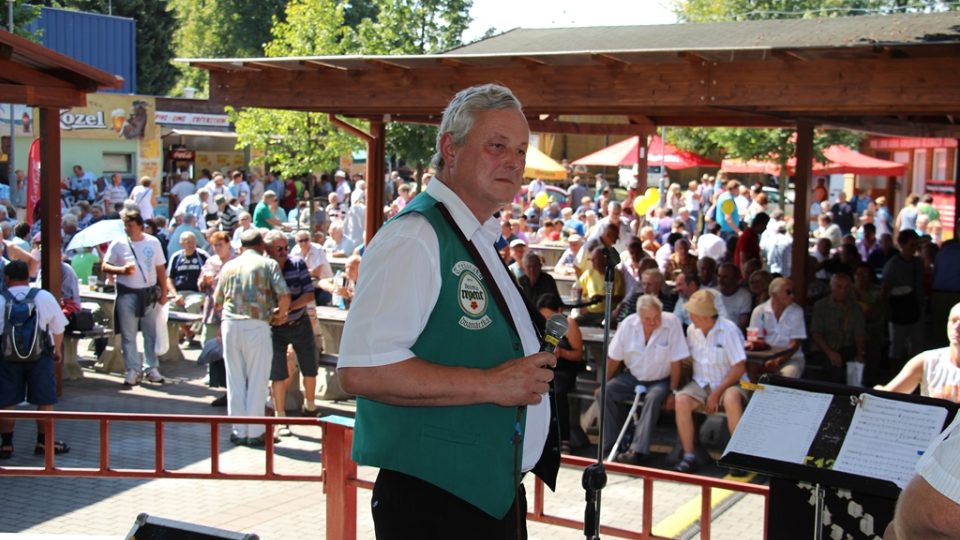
{"points": [[407, 508]]}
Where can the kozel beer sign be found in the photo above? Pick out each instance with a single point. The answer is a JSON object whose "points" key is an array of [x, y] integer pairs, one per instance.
{"points": [[70, 121]]}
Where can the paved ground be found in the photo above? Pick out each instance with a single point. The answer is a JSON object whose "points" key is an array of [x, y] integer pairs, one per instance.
{"points": [[37, 507]]}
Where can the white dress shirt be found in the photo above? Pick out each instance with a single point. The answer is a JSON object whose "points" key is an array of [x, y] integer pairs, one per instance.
{"points": [[779, 333], [385, 319], [716, 353], [649, 359]]}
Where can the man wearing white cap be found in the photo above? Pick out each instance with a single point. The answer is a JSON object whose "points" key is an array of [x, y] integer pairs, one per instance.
{"points": [[518, 248], [343, 187]]}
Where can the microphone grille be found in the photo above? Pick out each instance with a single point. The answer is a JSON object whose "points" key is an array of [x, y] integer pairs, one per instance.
{"points": [[557, 325]]}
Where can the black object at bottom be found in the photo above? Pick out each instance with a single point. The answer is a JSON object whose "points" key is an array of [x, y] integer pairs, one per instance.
{"points": [[853, 514], [406, 507], [149, 527]]}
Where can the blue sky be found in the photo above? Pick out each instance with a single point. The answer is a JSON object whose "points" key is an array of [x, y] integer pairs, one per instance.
{"points": [[507, 14]]}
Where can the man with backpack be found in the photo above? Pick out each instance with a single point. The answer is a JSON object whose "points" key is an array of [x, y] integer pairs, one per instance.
{"points": [[30, 339]]}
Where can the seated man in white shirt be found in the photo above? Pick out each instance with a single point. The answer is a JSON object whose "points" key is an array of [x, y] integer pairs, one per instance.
{"points": [[719, 362], [648, 343], [780, 323]]}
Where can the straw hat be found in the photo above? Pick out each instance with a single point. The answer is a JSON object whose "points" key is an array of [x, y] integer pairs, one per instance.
{"points": [[702, 303]]}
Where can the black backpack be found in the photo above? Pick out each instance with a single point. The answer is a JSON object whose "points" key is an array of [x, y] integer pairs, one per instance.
{"points": [[22, 339]]}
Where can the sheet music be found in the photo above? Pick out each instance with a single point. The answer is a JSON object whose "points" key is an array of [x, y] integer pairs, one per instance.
{"points": [[779, 423], [887, 437]]}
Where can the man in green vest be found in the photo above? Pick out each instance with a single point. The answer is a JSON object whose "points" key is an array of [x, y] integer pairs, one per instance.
{"points": [[454, 403]]}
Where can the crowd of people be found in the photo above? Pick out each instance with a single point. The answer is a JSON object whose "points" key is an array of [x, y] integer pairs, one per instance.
{"points": [[710, 266], [250, 256]]}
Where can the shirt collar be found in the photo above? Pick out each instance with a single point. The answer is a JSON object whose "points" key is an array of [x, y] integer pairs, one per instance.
{"points": [[462, 216]]}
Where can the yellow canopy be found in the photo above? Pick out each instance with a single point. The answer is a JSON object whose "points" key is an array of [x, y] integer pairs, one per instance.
{"points": [[540, 165]]}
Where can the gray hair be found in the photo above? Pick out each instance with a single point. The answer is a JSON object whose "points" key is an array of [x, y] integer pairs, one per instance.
{"points": [[648, 302], [187, 235], [274, 235], [459, 114]]}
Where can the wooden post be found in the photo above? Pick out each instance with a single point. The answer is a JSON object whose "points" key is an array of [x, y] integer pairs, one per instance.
{"points": [[50, 211], [376, 148], [338, 471], [801, 209], [50, 199], [643, 154]]}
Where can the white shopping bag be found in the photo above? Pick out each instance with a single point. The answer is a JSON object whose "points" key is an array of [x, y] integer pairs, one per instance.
{"points": [[162, 344]]}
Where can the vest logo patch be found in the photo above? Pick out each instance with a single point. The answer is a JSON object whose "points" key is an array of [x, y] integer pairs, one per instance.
{"points": [[472, 297]]}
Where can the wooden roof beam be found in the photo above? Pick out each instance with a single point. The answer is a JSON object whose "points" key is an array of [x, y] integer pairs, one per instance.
{"points": [[609, 60], [788, 55], [266, 66], [20, 74], [323, 65], [232, 66], [42, 96], [387, 64], [694, 58], [528, 61], [641, 120], [452, 62], [577, 128]]}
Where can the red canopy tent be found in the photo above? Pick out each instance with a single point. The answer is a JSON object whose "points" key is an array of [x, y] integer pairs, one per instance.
{"points": [[624, 154], [840, 160]]}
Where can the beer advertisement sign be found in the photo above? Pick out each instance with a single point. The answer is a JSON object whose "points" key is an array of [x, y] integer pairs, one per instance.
{"points": [[111, 116]]}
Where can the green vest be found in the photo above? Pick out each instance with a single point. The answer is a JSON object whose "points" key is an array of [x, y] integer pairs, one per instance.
{"points": [[468, 450]]}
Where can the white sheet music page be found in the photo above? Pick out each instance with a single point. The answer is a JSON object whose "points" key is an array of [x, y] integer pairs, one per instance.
{"points": [[887, 437], [779, 423]]}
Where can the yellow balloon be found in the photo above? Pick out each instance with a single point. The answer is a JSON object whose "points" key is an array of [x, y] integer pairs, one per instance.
{"points": [[652, 193], [541, 200], [642, 205], [728, 206]]}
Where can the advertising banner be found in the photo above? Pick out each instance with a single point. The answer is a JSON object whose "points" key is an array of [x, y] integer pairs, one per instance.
{"points": [[111, 116]]}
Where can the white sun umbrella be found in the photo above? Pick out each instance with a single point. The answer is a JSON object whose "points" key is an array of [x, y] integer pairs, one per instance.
{"points": [[106, 230]]}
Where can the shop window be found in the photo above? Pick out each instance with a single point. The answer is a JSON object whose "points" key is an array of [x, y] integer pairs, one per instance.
{"points": [[121, 163], [939, 171]]}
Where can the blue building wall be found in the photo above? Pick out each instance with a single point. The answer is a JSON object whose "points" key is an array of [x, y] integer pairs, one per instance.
{"points": [[103, 41]]}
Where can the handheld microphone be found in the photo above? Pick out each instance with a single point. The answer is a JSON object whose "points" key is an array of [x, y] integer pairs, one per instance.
{"points": [[556, 329]]}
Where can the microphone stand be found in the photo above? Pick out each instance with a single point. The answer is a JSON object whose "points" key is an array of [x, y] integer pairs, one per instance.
{"points": [[595, 475]]}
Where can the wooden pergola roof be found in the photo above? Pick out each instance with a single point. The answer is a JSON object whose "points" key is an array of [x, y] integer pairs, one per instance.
{"points": [[894, 74], [32, 74]]}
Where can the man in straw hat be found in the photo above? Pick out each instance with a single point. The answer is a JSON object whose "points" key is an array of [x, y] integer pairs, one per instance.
{"points": [[716, 346]]}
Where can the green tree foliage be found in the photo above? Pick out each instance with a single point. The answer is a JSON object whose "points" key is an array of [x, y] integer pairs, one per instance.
{"points": [[23, 13], [298, 142], [219, 29], [156, 73], [745, 10], [764, 143]]}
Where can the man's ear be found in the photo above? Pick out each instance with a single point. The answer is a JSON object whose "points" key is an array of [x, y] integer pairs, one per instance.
{"points": [[448, 149]]}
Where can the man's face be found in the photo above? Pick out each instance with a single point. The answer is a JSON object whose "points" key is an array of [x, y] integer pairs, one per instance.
{"points": [[823, 246], [684, 288], [132, 228], [953, 327], [304, 242], [598, 260], [278, 250], [116, 179], [531, 269], [650, 319], [682, 249], [650, 285], [839, 290], [706, 272], [78, 171], [486, 171], [727, 278], [615, 214], [518, 251], [783, 295], [611, 235], [189, 245]]}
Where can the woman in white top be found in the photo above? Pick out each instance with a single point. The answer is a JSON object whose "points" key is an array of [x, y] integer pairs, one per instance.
{"points": [[143, 196], [936, 372], [780, 323]]}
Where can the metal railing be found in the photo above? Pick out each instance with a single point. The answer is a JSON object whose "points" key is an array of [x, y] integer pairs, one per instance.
{"points": [[339, 471], [159, 469]]}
